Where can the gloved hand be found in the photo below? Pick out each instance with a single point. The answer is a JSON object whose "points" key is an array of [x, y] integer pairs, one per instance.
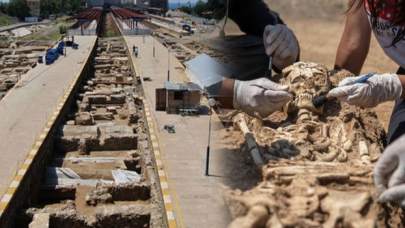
{"points": [[260, 95], [280, 42], [390, 172], [377, 89]]}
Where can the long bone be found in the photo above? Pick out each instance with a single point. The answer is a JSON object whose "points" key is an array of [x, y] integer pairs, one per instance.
{"points": [[250, 141]]}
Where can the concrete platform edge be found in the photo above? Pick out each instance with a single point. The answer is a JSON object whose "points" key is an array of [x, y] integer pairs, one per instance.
{"points": [[166, 185]]}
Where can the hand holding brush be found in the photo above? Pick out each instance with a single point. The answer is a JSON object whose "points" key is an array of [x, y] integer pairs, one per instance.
{"points": [[368, 91]]}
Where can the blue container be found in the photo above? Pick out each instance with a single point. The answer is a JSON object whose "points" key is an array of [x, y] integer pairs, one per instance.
{"points": [[60, 50], [48, 61], [75, 46], [40, 59], [51, 56]]}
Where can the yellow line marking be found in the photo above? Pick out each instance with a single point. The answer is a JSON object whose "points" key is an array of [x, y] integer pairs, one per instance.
{"points": [[18, 178], [166, 191], [169, 177], [162, 179], [159, 166], [11, 191], [3, 206], [172, 224], [169, 206]]}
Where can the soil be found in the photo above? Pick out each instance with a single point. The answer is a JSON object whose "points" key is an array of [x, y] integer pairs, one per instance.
{"points": [[276, 194]]}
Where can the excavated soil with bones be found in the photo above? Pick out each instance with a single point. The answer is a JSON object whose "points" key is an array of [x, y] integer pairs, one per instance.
{"points": [[306, 191]]}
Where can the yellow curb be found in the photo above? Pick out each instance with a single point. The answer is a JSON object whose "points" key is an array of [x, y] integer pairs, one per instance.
{"points": [[172, 224], [169, 206], [11, 191], [3, 206]]}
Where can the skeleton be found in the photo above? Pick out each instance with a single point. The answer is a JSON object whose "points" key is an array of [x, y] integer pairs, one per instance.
{"points": [[327, 181], [310, 138]]}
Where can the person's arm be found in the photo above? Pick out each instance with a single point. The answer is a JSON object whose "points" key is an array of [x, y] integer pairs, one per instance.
{"points": [[252, 16], [402, 80], [355, 42], [226, 93]]}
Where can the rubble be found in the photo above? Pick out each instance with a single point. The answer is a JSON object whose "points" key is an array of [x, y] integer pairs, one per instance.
{"points": [[109, 178], [314, 165]]}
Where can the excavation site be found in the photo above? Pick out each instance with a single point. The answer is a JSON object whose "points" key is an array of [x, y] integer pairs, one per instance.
{"points": [[306, 166], [102, 172]]}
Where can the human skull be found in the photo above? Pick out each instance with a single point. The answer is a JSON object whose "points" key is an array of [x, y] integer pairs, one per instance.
{"points": [[307, 81]]}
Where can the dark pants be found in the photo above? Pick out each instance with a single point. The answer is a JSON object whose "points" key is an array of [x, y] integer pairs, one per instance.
{"points": [[244, 55], [397, 122]]}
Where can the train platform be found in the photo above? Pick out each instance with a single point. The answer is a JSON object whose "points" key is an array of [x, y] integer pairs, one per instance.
{"points": [[197, 198], [27, 108]]}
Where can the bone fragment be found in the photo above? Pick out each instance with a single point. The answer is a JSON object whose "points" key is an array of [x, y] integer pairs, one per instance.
{"points": [[250, 141], [337, 202], [321, 145], [257, 216], [342, 157], [347, 145], [329, 157], [332, 177], [364, 154], [274, 222]]}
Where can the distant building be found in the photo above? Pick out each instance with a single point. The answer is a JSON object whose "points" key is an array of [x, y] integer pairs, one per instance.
{"points": [[177, 98], [112, 2], [94, 3], [163, 4], [128, 2], [34, 11], [34, 8]]}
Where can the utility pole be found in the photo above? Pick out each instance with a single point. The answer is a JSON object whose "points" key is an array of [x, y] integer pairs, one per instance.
{"points": [[211, 103], [168, 64]]}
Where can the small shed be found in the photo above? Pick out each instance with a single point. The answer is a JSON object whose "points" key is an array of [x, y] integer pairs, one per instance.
{"points": [[177, 98]]}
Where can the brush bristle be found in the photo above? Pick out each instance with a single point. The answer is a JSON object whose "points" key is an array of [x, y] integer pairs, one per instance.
{"points": [[319, 101]]}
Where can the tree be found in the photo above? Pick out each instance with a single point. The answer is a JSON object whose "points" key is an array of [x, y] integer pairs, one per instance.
{"points": [[49, 7], [186, 9], [18, 8], [218, 14], [213, 5], [199, 8]]}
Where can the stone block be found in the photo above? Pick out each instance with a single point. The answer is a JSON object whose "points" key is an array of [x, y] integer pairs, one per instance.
{"points": [[40, 220], [70, 122], [119, 129], [84, 118], [74, 130], [113, 110], [97, 99], [117, 99], [103, 116], [119, 78]]}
